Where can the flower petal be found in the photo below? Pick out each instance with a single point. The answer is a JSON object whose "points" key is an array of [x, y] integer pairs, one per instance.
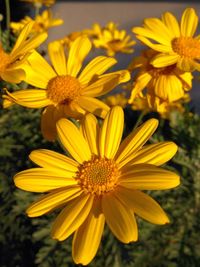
{"points": [[43, 180], [88, 233], [78, 51], [143, 205], [164, 60], [171, 23], [13, 75], [134, 141], [189, 22], [111, 133], [94, 106], [53, 160], [58, 58], [96, 67], [120, 219], [90, 129], [148, 177], [155, 154], [73, 140], [53, 200], [72, 217]]}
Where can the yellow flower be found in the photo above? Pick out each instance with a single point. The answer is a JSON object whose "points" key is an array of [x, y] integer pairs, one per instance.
{"points": [[39, 3], [140, 103], [63, 89], [175, 42], [119, 99], [11, 64], [111, 39], [102, 183], [41, 23], [168, 83]]}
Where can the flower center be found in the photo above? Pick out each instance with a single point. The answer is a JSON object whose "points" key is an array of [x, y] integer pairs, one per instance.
{"points": [[115, 45], [4, 59], [186, 47], [156, 72], [63, 89], [98, 176]]}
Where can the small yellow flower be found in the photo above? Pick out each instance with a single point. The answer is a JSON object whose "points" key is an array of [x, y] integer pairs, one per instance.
{"points": [[63, 90], [103, 183], [140, 103], [119, 99], [175, 42], [11, 64], [41, 23], [39, 3], [111, 39], [168, 83]]}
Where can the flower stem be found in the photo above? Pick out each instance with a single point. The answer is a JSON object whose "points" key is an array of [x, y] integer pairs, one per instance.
{"points": [[139, 120]]}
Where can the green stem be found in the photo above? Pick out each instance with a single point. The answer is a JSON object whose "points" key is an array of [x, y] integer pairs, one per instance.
{"points": [[139, 120], [7, 3]]}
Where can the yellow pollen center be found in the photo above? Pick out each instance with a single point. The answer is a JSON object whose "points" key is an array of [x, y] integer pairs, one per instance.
{"points": [[63, 89], [186, 47], [4, 59], [98, 176]]}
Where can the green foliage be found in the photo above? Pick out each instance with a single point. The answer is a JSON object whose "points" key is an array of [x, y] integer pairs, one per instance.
{"points": [[26, 241]]}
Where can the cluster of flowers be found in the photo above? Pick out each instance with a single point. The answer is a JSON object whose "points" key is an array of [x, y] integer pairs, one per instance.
{"points": [[102, 180]]}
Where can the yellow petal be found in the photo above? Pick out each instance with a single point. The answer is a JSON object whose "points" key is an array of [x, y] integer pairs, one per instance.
{"points": [[89, 232], [171, 23], [189, 22], [53, 200], [72, 217], [38, 71], [143, 205], [31, 98], [78, 51], [58, 58], [53, 160], [111, 133], [134, 141], [90, 130], [73, 140], [13, 75], [120, 219], [43, 180], [164, 60], [48, 125], [148, 177], [93, 105], [96, 67], [186, 64], [155, 154]]}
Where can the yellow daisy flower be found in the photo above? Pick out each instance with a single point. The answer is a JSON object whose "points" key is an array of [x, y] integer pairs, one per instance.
{"points": [[102, 183], [41, 2], [111, 39], [168, 83], [175, 42], [11, 63], [119, 99], [41, 23], [63, 89]]}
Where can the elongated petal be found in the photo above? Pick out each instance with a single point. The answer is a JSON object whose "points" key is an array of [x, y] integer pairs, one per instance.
{"points": [[111, 133], [38, 71], [93, 105], [189, 22], [135, 141], [143, 205], [163, 60], [90, 130], [78, 51], [120, 219], [58, 58], [89, 232], [73, 140], [53, 160], [13, 75], [71, 217], [53, 200], [48, 125], [171, 23], [43, 180], [148, 177], [31, 98], [155, 154], [96, 67]]}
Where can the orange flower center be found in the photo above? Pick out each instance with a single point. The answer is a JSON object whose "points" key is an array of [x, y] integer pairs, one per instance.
{"points": [[116, 45], [4, 59], [63, 89], [98, 176], [156, 72], [186, 47]]}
